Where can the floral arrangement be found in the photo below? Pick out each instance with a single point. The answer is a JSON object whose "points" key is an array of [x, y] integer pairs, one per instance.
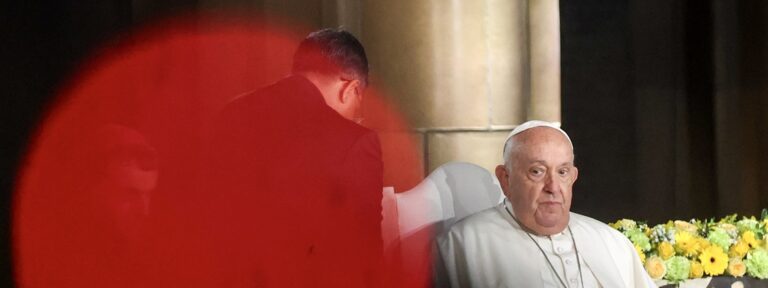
{"points": [[680, 250]]}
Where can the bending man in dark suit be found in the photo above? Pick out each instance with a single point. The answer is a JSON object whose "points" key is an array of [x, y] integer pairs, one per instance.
{"points": [[297, 182]]}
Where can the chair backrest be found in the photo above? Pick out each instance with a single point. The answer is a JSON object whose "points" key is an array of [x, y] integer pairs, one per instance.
{"points": [[413, 218], [453, 191]]}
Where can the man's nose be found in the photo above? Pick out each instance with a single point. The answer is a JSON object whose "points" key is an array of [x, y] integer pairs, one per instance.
{"points": [[550, 183]]}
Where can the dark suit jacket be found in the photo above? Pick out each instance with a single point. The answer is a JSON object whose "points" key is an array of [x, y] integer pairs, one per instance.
{"points": [[296, 191]]}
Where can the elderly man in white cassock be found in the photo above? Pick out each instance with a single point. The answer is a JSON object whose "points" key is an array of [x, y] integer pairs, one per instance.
{"points": [[531, 239]]}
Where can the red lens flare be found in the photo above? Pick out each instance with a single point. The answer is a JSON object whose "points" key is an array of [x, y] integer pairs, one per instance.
{"points": [[125, 186]]}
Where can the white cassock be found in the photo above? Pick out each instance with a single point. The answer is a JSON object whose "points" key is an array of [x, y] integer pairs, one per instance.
{"points": [[489, 249]]}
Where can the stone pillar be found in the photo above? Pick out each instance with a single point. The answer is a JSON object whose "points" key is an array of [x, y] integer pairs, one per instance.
{"points": [[544, 43], [465, 72]]}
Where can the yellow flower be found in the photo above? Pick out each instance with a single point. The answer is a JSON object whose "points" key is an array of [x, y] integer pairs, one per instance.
{"points": [[640, 253], [686, 244], [697, 270], [714, 260], [765, 241], [615, 225], [749, 238], [655, 267], [666, 250], [624, 224], [739, 249], [685, 226], [703, 243], [736, 267]]}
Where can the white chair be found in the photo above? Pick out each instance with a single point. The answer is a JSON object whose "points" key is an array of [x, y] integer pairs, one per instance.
{"points": [[451, 192]]}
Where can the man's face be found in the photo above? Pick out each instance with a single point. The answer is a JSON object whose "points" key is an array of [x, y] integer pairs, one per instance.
{"points": [[540, 179]]}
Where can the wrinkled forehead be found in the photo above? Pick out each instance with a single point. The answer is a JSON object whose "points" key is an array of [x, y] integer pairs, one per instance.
{"points": [[533, 127], [540, 137], [541, 134], [541, 144], [535, 124]]}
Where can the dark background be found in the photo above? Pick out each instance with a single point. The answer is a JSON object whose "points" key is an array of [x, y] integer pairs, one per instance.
{"points": [[666, 104], [44, 43], [664, 100]]}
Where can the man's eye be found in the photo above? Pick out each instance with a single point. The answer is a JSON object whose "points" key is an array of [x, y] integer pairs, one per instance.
{"points": [[563, 172], [537, 171]]}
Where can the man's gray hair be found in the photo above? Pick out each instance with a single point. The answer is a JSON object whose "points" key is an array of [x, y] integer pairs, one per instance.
{"points": [[523, 127]]}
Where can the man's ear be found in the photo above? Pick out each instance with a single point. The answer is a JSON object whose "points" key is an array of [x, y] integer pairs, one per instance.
{"points": [[351, 91], [503, 175]]}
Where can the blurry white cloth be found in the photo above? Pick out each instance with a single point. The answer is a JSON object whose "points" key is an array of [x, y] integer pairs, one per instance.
{"points": [[489, 249]]}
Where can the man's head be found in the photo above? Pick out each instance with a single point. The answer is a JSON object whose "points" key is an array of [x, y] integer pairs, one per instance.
{"points": [[335, 61], [538, 176]]}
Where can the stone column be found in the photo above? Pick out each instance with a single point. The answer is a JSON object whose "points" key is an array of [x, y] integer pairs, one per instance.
{"points": [[465, 72]]}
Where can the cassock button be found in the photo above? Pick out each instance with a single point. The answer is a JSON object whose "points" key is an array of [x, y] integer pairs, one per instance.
{"points": [[568, 261], [573, 280], [559, 249]]}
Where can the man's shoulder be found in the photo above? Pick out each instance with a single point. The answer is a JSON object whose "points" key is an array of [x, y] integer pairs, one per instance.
{"points": [[289, 89], [485, 220], [295, 102]]}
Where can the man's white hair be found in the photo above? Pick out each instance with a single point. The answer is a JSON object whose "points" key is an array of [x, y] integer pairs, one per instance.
{"points": [[525, 126]]}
